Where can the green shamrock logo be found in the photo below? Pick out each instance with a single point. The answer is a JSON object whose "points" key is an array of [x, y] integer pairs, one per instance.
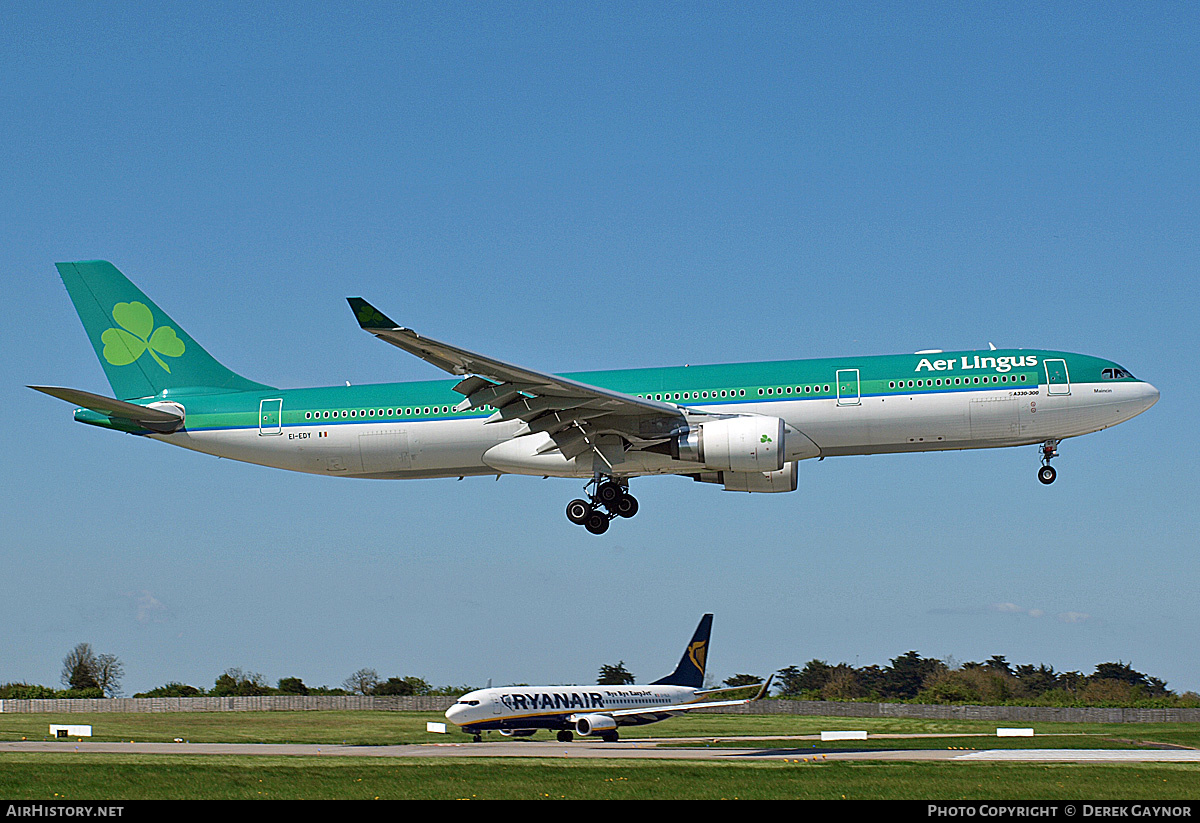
{"points": [[137, 335], [368, 315], [765, 439]]}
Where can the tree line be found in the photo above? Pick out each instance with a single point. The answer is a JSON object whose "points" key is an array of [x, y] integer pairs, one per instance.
{"points": [[88, 674], [908, 677], [995, 681]]}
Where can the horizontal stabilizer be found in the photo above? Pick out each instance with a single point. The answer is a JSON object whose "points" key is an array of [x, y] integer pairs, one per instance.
{"points": [[763, 688], [155, 419]]}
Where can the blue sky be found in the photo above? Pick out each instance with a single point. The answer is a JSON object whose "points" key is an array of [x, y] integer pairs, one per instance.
{"points": [[578, 186]]}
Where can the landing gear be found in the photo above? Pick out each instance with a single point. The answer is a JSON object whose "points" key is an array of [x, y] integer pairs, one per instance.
{"points": [[578, 511], [610, 737], [1046, 473], [565, 736], [597, 522], [610, 499]]}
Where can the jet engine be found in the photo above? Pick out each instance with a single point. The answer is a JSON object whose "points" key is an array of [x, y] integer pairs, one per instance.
{"points": [[738, 444], [586, 724], [784, 480]]}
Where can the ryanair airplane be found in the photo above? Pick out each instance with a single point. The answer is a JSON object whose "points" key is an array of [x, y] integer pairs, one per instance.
{"points": [[743, 427], [519, 711]]}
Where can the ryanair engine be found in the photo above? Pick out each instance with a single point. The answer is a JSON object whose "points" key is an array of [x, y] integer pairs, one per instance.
{"points": [[735, 444], [586, 724]]}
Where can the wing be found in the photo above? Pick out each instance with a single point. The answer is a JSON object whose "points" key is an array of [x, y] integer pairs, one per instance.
{"points": [[575, 415], [663, 712]]}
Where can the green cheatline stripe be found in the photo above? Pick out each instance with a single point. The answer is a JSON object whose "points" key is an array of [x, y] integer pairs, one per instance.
{"points": [[249, 418]]}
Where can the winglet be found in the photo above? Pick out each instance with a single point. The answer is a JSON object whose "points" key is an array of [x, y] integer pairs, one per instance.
{"points": [[370, 317], [766, 688]]}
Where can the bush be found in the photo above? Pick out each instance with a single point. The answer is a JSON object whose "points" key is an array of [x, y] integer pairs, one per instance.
{"points": [[26, 691], [403, 686], [292, 685], [172, 690], [236, 683]]}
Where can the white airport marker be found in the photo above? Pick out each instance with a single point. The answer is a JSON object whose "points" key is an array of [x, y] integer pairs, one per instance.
{"points": [[70, 731]]}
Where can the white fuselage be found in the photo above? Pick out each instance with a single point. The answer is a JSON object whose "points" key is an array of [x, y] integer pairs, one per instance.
{"points": [[560, 707], [818, 427]]}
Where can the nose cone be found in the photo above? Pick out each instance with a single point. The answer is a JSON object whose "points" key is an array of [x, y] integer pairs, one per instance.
{"points": [[455, 711], [1149, 395]]}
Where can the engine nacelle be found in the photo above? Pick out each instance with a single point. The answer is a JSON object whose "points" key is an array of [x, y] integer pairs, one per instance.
{"points": [[587, 724], [784, 480], [737, 444]]}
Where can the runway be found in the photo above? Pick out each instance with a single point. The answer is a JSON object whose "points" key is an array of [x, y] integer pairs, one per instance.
{"points": [[641, 749]]}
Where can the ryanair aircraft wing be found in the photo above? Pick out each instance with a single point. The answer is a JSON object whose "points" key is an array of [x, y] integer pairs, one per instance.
{"points": [[662, 712], [573, 414]]}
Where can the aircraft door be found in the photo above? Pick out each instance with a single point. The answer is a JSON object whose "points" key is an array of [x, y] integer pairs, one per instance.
{"points": [[1058, 381], [847, 387], [270, 417]]}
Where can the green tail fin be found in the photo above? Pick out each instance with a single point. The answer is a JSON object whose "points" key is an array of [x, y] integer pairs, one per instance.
{"points": [[142, 350]]}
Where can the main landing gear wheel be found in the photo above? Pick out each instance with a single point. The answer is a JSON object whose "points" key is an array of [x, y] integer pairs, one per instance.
{"points": [[1046, 473], [597, 522], [611, 499], [578, 511], [610, 737], [609, 493], [565, 736]]}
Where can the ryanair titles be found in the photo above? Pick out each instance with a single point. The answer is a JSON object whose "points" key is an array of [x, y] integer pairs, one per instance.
{"points": [[971, 362], [518, 701]]}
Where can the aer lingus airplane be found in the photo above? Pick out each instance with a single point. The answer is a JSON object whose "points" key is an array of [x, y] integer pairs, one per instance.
{"points": [[742, 426], [519, 711]]}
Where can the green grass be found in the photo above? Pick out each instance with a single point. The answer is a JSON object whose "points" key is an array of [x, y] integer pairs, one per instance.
{"points": [[358, 728], [362, 728], [119, 777], [78, 776]]}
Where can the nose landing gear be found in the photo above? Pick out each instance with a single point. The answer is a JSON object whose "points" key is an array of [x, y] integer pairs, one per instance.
{"points": [[1046, 473], [610, 499]]}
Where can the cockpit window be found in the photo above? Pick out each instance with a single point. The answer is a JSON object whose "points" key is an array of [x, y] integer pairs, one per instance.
{"points": [[1115, 374], [468, 702]]}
